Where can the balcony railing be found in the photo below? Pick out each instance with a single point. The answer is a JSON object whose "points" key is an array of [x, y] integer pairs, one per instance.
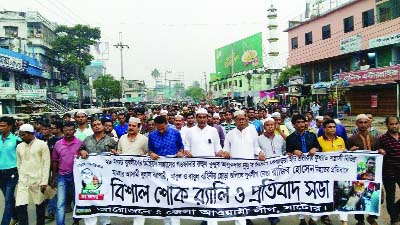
{"points": [[7, 84]]}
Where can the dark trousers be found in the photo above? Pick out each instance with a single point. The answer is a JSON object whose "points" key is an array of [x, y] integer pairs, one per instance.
{"points": [[8, 181], [390, 189], [22, 212]]}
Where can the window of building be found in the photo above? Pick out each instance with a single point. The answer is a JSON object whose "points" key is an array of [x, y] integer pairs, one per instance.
{"points": [[368, 18], [348, 24], [308, 38], [383, 12], [268, 81], [326, 32], [11, 31], [295, 43], [235, 83], [240, 83]]}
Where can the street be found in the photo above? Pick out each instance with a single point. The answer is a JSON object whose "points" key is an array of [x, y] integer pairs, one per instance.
{"points": [[292, 220]]}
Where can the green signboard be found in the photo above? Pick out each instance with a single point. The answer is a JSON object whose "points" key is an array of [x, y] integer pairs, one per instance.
{"points": [[242, 55]]}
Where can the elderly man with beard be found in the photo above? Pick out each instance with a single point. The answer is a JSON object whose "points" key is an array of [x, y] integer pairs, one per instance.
{"points": [[97, 143], [241, 142], [363, 140], [33, 163], [272, 145]]}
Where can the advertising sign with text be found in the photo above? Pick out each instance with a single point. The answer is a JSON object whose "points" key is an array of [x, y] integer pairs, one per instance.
{"points": [[372, 76]]}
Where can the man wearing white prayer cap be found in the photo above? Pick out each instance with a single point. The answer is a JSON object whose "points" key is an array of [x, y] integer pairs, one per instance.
{"points": [[242, 142]]}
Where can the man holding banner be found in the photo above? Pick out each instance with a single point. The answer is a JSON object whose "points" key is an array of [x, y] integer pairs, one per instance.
{"points": [[242, 142], [165, 141], [302, 142], [363, 140], [98, 143]]}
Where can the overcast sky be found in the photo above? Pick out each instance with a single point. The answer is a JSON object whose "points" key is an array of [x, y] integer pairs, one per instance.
{"points": [[176, 35]]}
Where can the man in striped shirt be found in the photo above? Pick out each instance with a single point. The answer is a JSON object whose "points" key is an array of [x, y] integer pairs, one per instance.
{"points": [[390, 142]]}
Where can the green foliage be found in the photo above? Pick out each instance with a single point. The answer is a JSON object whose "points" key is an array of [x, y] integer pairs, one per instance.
{"points": [[196, 93], [288, 73], [107, 88], [71, 48], [155, 74], [196, 84]]}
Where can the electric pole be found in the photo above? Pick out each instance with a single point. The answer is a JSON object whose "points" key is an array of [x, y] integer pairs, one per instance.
{"points": [[121, 47]]}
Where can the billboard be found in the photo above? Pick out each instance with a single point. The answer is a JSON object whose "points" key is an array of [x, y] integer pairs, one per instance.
{"points": [[242, 55]]}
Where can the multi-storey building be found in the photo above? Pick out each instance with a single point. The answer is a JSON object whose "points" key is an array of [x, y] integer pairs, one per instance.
{"points": [[28, 35], [358, 43], [243, 71]]}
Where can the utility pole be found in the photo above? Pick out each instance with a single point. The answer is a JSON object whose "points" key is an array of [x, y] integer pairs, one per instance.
{"points": [[205, 82], [121, 47]]}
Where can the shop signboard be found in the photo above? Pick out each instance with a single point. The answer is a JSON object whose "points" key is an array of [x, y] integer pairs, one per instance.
{"points": [[351, 44], [385, 40], [240, 56], [373, 76], [34, 94], [11, 63]]}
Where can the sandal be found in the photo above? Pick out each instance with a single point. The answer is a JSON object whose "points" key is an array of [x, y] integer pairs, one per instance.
{"points": [[326, 220]]}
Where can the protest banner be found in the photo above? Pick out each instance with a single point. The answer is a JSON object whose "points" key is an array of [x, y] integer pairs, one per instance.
{"points": [[200, 188]]}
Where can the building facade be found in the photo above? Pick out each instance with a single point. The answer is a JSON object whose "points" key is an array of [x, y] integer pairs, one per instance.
{"points": [[28, 36], [356, 46]]}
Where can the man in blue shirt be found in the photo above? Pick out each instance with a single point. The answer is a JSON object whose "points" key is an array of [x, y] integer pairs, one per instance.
{"points": [[122, 127], [8, 167], [165, 141], [251, 113]]}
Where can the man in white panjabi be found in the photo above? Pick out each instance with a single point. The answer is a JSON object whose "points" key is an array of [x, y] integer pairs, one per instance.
{"points": [[133, 143], [242, 143], [202, 140], [33, 163]]}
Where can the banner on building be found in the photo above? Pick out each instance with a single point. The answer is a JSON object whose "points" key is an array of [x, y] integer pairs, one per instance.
{"points": [[221, 189], [34, 94], [372, 76], [351, 44]]}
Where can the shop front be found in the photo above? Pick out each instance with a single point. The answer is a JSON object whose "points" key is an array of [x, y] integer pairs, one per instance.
{"points": [[15, 67], [374, 90]]}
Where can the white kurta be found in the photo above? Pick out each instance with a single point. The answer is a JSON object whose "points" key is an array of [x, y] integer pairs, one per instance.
{"points": [[33, 162], [242, 144], [138, 146], [202, 142], [272, 147]]}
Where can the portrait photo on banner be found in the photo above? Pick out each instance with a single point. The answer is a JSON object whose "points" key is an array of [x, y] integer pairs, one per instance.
{"points": [[357, 196]]}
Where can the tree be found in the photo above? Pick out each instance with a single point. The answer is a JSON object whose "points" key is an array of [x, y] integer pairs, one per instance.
{"points": [[71, 51], [196, 93], [155, 73], [107, 88], [287, 73], [196, 84]]}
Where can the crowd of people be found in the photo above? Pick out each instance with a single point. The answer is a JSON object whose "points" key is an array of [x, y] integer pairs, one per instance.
{"points": [[35, 158]]}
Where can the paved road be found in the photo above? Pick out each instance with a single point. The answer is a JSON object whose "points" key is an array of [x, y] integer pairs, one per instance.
{"points": [[290, 220]]}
